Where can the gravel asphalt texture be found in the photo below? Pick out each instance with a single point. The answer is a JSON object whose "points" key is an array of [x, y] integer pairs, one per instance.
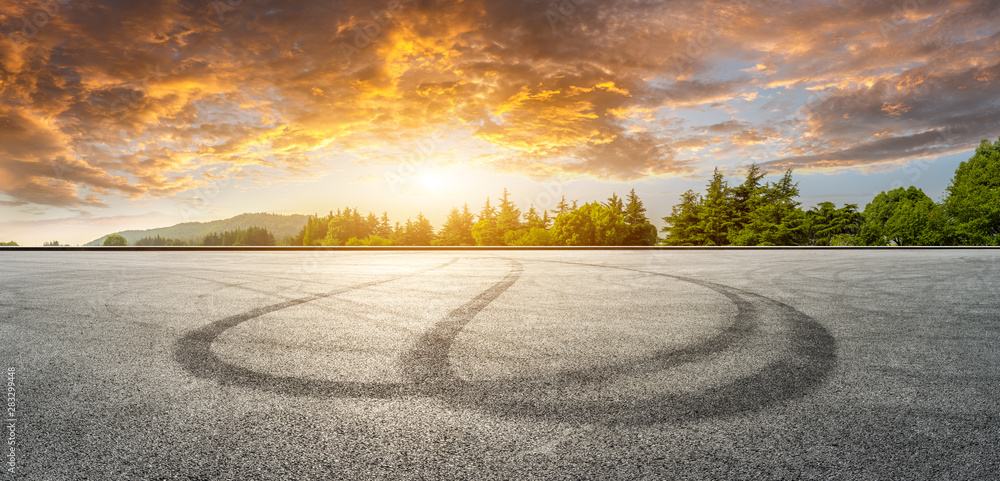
{"points": [[701, 364]]}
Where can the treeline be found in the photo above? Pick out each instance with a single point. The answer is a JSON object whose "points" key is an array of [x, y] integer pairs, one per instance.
{"points": [[251, 236], [615, 222], [160, 241], [753, 213]]}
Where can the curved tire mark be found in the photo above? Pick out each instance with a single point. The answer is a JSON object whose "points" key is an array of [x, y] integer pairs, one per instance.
{"points": [[429, 373], [194, 353], [813, 359], [427, 363]]}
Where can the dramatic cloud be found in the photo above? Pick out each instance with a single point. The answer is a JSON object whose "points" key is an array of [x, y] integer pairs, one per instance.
{"points": [[118, 98]]}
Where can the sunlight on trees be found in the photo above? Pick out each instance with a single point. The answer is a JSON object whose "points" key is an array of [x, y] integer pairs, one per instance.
{"points": [[115, 240], [769, 214]]}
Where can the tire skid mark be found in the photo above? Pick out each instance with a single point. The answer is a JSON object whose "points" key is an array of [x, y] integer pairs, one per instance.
{"points": [[813, 359], [194, 353], [428, 372], [427, 363]]}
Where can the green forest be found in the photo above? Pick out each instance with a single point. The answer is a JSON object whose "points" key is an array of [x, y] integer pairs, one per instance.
{"points": [[612, 223], [251, 236], [751, 213]]}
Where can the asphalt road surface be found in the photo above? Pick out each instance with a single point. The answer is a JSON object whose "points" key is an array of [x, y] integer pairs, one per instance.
{"points": [[791, 364]]}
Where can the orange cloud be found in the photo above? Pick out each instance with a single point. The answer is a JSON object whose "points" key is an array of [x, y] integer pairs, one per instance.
{"points": [[149, 98]]}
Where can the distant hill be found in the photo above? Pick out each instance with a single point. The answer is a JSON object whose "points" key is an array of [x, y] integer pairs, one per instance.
{"points": [[279, 225]]}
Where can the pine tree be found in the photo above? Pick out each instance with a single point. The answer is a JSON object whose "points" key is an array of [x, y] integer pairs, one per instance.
{"points": [[532, 219], [682, 227], [384, 229], [419, 233], [488, 211], [457, 229], [745, 198], [641, 231], [716, 214], [509, 217], [562, 207], [615, 203], [777, 218]]}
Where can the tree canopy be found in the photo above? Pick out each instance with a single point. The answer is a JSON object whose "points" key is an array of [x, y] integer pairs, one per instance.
{"points": [[901, 217], [115, 240], [749, 214], [972, 200]]}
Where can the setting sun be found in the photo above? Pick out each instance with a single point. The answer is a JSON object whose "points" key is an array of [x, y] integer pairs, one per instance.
{"points": [[433, 182]]}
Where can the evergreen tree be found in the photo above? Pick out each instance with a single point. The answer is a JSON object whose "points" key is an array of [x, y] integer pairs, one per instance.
{"points": [[745, 198], [371, 223], [420, 233], [615, 203], [213, 239], [485, 233], [716, 212], [384, 229], [777, 218], [641, 232], [533, 220], [827, 225], [257, 236], [562, 207], [315, 230], [457, 229], [468, 220], [509, 217], [488, 211], [398, 235], [683, 223]]}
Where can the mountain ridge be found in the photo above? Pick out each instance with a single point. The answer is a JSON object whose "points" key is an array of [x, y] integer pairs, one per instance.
{"points": [[193, 232]]}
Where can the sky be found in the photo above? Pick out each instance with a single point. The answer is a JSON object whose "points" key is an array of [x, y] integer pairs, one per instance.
{"points": [[120, 115]]}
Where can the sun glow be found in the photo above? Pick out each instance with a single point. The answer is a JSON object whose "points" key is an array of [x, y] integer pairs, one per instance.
{"points": [[433, 182]]}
